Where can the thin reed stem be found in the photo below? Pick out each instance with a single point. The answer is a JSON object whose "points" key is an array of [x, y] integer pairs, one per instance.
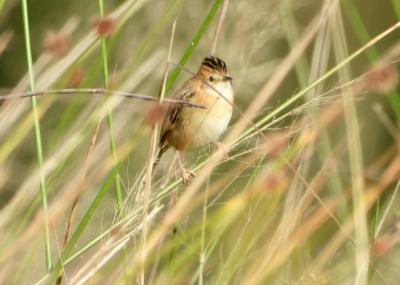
{"points": [[328, 74], [203, 232], [65, 259], [98, 91], [355, 155], [78, 193], [218, 29], [38, 139], [110, 116], [86, 218]]}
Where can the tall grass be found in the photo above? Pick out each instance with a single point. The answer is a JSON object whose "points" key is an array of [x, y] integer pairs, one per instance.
{"points": [[307, 196]]}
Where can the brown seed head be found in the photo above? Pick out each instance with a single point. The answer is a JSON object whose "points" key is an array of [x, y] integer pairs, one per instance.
{"points": [[381, 246], [56, 44], [116, 231], [76, 77], [276, 144], [382, 78], [105, 26], [155, 113], [276, 181]]}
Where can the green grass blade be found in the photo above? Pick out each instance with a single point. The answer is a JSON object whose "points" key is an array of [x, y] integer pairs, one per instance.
{"points": [[109, 115], [89, 213], [212, 247], [193, 44], [2, 2], [396, 6], [86, 218], [372, 52], [358, 26], [39, 150]]}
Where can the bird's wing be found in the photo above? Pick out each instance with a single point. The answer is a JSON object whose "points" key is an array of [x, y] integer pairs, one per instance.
{"points": [[184, 93]]}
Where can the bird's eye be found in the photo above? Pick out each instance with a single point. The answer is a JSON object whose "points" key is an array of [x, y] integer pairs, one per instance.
{"points": [[211, 78]]}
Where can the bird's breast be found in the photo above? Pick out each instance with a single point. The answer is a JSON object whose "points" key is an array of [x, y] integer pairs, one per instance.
{"points": [[204, 126]]}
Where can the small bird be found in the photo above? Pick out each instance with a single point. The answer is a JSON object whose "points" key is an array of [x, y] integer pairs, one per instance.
{"points": [[187, 128]]}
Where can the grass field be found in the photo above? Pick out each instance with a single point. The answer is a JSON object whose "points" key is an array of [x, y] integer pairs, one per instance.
{"points": [[308, 194]]}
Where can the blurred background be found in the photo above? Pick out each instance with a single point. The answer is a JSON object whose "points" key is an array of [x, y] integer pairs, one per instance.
{"points": [[274, 50]]}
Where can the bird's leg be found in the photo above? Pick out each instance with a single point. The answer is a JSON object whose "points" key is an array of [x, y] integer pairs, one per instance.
{"points": [[184, 171], [222, 149]]}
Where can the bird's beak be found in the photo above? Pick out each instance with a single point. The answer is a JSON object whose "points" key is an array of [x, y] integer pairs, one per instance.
{"points": [[227, 78]]}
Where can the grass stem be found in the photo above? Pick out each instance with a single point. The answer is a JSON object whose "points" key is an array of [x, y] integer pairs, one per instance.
{"points": [[38, 138]]}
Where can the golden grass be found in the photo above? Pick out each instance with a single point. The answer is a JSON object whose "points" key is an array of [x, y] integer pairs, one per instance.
{"points": [[296, 202]]}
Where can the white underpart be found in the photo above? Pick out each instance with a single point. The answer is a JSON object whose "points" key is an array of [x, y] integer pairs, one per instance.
{"points": [[209, 127]]}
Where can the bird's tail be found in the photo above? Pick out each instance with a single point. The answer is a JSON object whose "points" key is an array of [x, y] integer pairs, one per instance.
{"points": [[161, 149]]}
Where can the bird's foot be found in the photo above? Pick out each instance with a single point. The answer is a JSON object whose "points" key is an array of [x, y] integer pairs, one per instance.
{"points": [[184, 171], [222, 149], [185, 176]]}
